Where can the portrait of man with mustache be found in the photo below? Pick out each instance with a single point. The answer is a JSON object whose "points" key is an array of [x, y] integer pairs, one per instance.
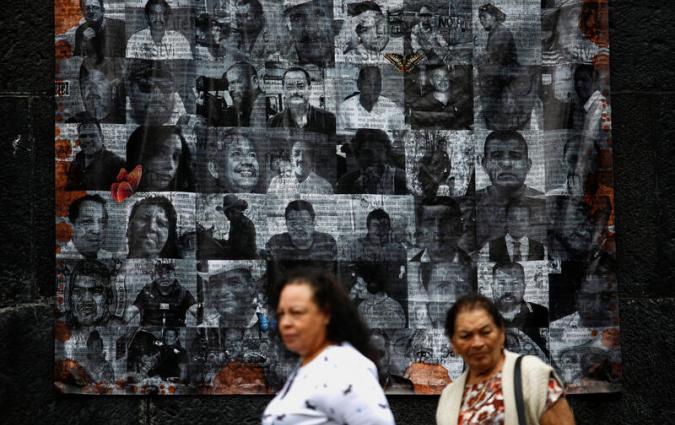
{"points": [[157, 41], [89, 295], [298, 112], [508, 290]]}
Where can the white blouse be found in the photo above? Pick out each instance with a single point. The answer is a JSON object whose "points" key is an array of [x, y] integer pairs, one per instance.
{"points": [[339, 386]]}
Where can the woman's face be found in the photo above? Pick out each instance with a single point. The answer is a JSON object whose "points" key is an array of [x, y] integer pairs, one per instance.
{"points": [[160, 168], [478, 340], [302, 324], [148, 231]]}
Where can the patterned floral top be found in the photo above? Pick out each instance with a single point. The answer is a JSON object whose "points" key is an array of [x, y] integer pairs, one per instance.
{"points": [[483, 403]]}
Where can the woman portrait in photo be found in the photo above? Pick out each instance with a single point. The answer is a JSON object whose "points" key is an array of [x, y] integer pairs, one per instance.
{"points": [[165, 157]]}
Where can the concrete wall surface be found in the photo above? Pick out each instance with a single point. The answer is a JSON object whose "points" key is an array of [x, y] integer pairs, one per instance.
{"points": [[643, 109]]}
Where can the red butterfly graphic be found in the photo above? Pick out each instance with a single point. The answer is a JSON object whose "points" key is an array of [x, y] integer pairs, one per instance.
{"points": [[126, 183]]}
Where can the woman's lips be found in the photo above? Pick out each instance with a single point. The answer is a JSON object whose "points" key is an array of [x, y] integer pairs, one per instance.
{"points": [[289, 337]]}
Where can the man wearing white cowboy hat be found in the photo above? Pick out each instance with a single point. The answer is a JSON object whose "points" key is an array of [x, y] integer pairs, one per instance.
{"points": [[240, 244], [231, 297]]}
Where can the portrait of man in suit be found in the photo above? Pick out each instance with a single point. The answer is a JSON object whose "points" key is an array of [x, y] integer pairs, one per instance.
{"points": [[507, 163], [516, 245]]}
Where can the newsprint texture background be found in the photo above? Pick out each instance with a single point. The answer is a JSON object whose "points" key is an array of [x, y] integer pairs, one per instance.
{"points": [[204, 148], [642, 103]]}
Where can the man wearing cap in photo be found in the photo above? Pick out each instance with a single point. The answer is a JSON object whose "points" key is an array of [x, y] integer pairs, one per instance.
{"points": [[310, 26], [164, 301], [425, 37], [231, 298]]}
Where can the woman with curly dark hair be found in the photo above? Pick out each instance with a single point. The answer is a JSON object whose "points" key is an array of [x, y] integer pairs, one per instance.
{"points": [[165, 157], [335, 379]]}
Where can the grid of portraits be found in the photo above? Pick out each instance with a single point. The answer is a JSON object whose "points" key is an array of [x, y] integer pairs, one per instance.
{"points": [[421, 150]]}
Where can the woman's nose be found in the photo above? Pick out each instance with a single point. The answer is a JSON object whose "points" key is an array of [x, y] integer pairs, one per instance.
{"points": [[477, 341]]}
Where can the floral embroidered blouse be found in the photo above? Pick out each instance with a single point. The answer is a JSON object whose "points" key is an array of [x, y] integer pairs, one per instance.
{"points": [[483, 403]]}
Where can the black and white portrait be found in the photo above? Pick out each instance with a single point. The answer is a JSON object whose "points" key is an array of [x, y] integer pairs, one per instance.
{"points": [[160, 38], [365, 35], [439, 96]]}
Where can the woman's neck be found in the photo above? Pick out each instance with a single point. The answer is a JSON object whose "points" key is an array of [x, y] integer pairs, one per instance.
{"points": [[476, 376], [311, 356]]}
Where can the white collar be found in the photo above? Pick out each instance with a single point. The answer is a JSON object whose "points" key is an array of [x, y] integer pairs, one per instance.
{"points": [[511, 239]]}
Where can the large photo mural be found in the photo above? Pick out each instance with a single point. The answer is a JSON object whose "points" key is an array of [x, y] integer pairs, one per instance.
{"points": [[421, 150]]}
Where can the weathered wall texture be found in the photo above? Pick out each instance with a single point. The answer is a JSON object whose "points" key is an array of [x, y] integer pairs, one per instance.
{"points": [[643, 113]]}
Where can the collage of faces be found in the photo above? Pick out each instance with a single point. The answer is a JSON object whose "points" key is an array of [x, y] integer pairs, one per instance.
{"points": [[421, 150]]}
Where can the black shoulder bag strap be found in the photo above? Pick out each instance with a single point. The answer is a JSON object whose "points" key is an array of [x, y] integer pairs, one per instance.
{"points": [[518, 388]]}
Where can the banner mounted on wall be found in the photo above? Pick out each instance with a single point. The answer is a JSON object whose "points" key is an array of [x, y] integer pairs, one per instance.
{"points": [[420, 150]]}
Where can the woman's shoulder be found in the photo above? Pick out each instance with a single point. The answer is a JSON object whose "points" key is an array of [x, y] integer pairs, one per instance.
{"points": [[450, 401], [343, 360], [345, 353], [533, 368], [453, 387], [529, 361]]}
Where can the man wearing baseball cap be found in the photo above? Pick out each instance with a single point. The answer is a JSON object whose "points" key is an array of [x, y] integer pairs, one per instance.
{"points": [[310, 25]]}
